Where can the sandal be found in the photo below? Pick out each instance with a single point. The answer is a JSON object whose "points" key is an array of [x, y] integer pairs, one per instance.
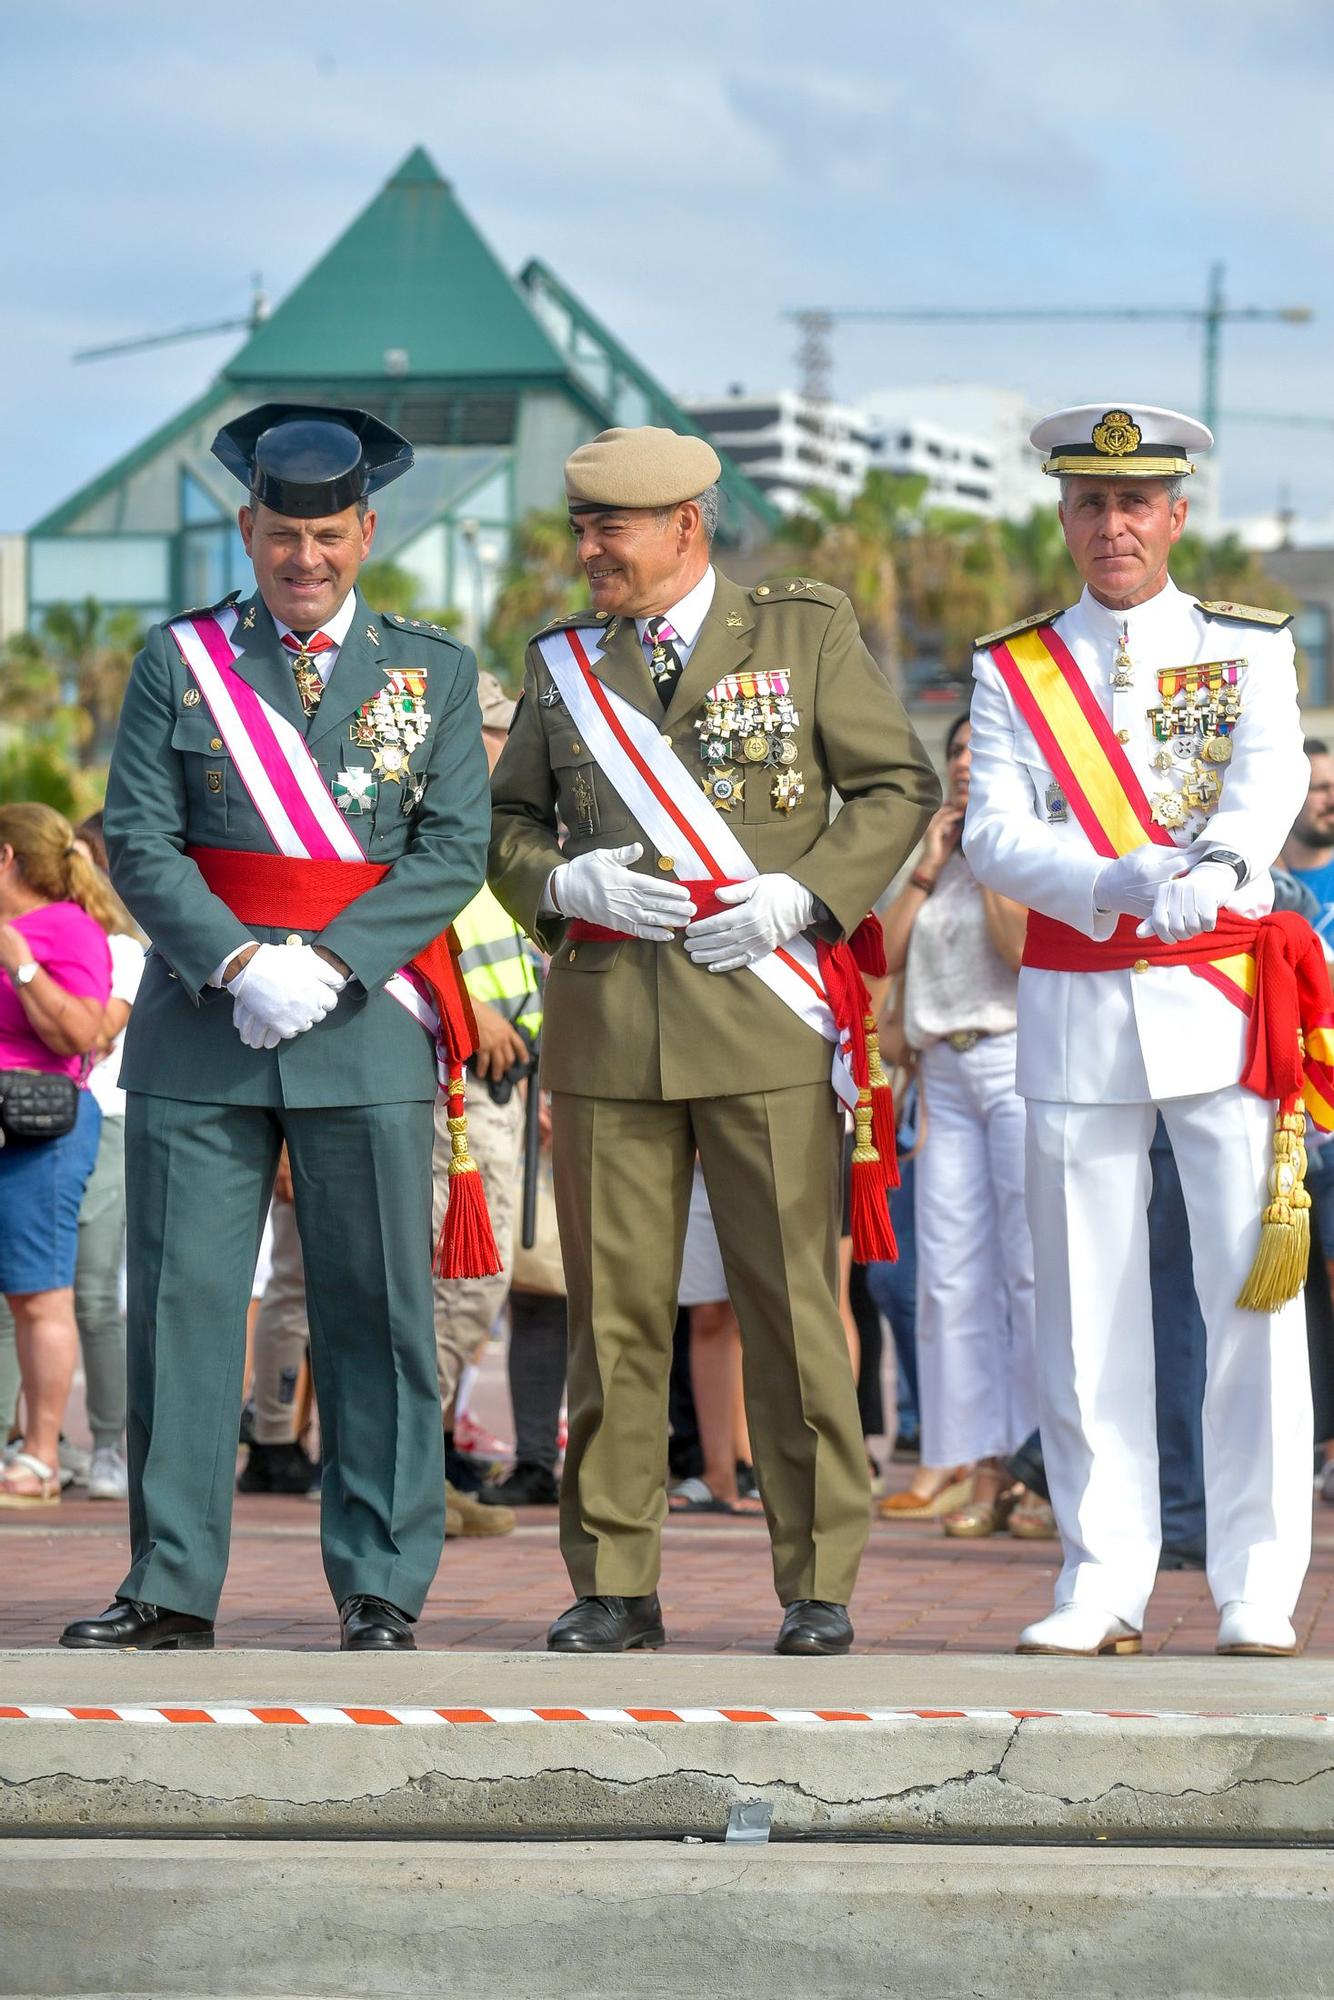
{"points": [[692, 1496], [910, 1506], [982, 1517], [1031, 1519], [48, 1482]]}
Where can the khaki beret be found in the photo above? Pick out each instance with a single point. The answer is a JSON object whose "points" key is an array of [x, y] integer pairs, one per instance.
{"points": [[497, 708], [646, 467]]}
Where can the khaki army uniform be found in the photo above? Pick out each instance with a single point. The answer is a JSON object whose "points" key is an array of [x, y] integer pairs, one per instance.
{"points": [[650, 1057]]}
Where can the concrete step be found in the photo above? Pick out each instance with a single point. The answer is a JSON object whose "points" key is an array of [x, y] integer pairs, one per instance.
{"points": [[582, 1920], [521, 1745]]}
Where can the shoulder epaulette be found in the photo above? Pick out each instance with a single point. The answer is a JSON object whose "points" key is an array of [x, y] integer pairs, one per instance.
{"points": [[1019, 625], [1244, 614], [206, 610], [795, 590], [420, 628], [573, 621]]}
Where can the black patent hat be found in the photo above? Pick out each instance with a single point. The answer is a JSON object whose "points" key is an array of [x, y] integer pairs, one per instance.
{"points": [[310, 459]]}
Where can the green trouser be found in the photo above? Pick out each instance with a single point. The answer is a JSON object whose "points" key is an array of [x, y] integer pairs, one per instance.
{"points": [[199, 1181], [96, 1296], [772, 1164]]}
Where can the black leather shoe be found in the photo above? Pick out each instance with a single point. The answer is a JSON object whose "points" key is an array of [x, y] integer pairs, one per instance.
{"points": [[277, 1468], [373, 1625], [150, 1626], [608, 1625], [812, 1626], [529, 1485]]}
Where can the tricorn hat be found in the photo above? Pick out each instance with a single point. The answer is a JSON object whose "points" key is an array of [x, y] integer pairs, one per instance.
{"points": [[309, 459]]}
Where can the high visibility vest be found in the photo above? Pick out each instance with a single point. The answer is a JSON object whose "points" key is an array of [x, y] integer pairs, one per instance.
{"points": [[498, 963]]}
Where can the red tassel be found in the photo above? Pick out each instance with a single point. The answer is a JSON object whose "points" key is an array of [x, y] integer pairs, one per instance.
{"points": [[467, 1246], [872, 1232]]}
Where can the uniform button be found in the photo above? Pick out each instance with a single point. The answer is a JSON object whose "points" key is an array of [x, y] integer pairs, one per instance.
{"points": [[215, 743], [761, 590], [666, 862], [570, 959], [1140, 965], [1123, 736], [576, 749], [667, 739], [294, 937]]}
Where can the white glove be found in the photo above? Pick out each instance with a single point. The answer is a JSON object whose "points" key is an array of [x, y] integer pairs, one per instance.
{"points": [[1129, 884], [1184, 908], [768, 911], [600, 888], [284, 989]]}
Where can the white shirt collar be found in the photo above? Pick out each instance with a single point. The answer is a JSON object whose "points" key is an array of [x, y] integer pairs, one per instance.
{"points": [[689, 614], [1141, 622], [335, 628]]}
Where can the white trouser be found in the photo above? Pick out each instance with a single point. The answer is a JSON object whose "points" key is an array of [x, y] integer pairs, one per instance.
{"points": [[1088, 1196], [975, 1319]]}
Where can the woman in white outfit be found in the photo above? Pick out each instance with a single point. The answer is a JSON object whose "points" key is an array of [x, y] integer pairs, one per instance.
{"points": [[961, 946]]}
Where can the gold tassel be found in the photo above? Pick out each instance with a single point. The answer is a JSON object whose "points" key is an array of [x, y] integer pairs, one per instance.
{"points": [[1279, 1270]]}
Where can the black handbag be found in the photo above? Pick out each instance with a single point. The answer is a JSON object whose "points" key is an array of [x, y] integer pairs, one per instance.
{"points": [[34, 1104]]}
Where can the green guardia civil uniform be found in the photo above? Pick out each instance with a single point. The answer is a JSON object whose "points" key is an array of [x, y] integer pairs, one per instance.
{"points": [[650, 1057], [353, 1098]]}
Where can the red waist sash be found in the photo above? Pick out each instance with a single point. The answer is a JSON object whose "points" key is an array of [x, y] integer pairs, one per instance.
{"points": [[276, 891], [1290, 1046]]}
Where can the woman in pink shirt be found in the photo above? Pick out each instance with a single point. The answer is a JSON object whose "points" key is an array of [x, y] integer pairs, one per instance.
{"points": [[55, 978]]}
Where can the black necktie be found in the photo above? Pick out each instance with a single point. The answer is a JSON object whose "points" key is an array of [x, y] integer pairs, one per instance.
{"points": [[664, 661]]}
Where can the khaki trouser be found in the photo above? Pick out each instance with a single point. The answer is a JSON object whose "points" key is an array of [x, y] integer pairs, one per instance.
{"points": [[466, 1308], [281, 1333], [623, 1173]]}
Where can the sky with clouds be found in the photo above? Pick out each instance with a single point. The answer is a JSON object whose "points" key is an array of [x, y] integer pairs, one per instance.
{"points": [[691, 172]]}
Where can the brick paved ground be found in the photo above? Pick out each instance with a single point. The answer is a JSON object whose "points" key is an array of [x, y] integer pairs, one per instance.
{"points": [[919, 1591]]}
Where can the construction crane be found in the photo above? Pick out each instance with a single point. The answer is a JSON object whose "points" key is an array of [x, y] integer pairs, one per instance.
{"points": [[817, 324], [259, 311]]}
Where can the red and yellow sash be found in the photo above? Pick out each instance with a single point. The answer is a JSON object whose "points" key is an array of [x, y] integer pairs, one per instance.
{"points": [[1109, 804]]}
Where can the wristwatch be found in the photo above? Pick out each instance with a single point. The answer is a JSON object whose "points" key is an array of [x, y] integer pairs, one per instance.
{"points": [[27, 973], [1229, 860]]}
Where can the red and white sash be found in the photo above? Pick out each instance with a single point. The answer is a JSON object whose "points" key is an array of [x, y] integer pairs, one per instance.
{"points": [[681, 822], [285, 784]]}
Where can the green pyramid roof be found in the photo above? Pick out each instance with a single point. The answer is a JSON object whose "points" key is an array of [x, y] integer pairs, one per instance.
{"points": [[411, 274]]}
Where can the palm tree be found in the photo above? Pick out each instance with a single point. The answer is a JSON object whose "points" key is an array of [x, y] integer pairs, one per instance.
{"points": [[91, 651], [541, 580], [855, 547]]}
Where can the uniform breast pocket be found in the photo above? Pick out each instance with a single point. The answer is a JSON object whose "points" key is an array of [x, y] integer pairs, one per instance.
{"points": [[210, 779], [585, 800]]}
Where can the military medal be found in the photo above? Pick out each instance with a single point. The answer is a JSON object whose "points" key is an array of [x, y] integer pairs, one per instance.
{"points": [[585, 805], [755, 749], [414, 791], [787, 791], [1057, 810], [1123, 670], [1218, 749], [391, 762], [550, 695], [725, 788], [1170, 810], [355, 791]]}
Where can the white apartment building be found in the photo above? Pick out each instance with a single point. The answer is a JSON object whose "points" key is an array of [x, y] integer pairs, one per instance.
{"points": [[788, 444], [968, 437]]}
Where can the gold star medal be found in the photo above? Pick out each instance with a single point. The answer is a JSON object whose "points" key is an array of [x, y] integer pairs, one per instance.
{"points": [[391, 762]]}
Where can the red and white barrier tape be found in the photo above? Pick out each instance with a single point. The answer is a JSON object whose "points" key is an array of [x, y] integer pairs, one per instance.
{"points": [[319, 1714]]}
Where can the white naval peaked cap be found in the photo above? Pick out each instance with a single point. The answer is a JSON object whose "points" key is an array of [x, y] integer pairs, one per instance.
{"points": [[1120, 441]]}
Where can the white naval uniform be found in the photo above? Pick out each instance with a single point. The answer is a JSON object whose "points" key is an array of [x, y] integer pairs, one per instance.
{"points": [[1098, 1053]]}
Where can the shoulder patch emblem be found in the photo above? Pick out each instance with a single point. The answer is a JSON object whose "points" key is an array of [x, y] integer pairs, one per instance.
{"points": [[1243, 614], [204, 610], [786, 589], [1020, 625]]}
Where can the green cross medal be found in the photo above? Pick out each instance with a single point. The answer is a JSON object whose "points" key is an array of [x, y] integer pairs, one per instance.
{"points": [[355, 790]]}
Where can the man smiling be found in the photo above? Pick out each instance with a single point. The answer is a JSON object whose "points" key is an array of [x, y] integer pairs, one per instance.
{"points": [[1137, 762], [296, 809], [686, 737]]}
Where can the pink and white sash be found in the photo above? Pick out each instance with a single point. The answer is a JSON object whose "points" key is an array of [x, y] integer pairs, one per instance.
{"points": [[681, 822], [285, 784]]}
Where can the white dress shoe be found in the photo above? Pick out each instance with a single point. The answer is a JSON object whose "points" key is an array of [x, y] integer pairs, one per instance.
{"points": [[1251, 1628], [1081, 1631]]}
